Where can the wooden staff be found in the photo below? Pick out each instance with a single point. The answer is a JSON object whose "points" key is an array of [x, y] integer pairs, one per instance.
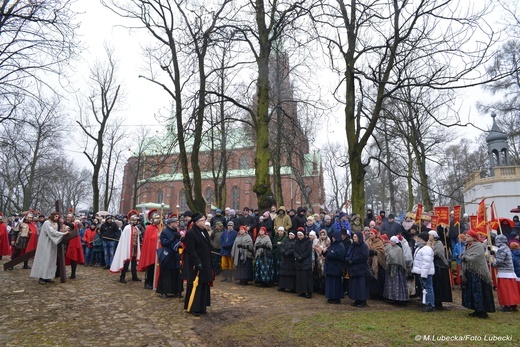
{"points": [[496, 214]]}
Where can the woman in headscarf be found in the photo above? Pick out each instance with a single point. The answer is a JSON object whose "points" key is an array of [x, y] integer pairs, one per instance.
{"points": [[242, 253], [441, 277], [334, 264], [357, 267], [396, 288], [377, 265], [477, 286], [287, 264], [278, 241], [263, 259], [303, 256], [322, 242], [507, 287]]}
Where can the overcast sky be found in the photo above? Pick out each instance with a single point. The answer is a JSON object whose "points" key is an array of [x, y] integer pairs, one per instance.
{"points": [[143, 100]]}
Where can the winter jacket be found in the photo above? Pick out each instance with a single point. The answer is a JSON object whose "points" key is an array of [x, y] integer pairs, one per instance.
{"points": [[226, 242], [357, 258], [516, 261], [423, 262], [335, 257], [284, 221], [503, 257], [287, 264], [303, 254]]}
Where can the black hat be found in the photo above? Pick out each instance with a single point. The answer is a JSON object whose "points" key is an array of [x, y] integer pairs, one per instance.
{"points": [[196, 217], [424, 236], [188, 214]]}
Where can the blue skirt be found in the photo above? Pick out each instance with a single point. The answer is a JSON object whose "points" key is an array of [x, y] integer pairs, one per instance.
{"points": [[477, 294], [334, 287], [357, 288]]}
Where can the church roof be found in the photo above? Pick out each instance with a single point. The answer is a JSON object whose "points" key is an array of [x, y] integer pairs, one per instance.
{"points": [[495, 134]]}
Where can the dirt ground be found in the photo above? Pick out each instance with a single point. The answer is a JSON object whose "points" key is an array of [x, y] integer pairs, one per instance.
{"points": [[96, 310]]}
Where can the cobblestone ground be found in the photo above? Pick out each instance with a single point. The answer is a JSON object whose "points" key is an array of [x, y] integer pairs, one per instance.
{"points": [[96, 310]]}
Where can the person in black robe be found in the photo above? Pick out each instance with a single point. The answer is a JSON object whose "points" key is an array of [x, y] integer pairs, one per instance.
{"points": [[169, 262], [287, 265], [357, 267], [303, 257], [197, 267]]}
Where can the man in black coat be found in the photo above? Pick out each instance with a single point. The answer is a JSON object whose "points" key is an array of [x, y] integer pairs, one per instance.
{"points": [[197, 264]]}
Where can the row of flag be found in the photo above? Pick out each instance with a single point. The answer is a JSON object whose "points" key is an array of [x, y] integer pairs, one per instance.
{"points": [[478, 222]]}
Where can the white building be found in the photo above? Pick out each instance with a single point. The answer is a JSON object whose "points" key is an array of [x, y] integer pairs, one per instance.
{"points": [[501, 184]]}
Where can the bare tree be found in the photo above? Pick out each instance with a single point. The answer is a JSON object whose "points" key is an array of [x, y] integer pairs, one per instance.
{"points": [[95, 122], [371, 43], [37, 39]]}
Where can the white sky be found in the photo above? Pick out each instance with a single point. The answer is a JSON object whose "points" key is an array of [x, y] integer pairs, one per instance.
{"points": [[143, 99]]}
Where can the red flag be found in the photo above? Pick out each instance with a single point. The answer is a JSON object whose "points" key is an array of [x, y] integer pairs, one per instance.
{"points": [[418, 213], [443, 212], [434, 222], [482, 216], [456, 215], [493, 217], [473, 223]]}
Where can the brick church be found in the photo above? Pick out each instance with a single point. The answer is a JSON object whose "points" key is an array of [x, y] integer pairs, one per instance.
{"points": [[152, 175]]}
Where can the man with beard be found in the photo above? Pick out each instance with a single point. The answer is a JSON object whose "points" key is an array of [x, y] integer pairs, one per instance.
{"points": [[197, 267], [44, 264], [128, 251]]}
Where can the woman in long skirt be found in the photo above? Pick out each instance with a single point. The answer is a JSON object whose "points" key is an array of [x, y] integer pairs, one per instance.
{"points": [[507, 284], [263, 259], [242, 254], [278, 240], [477, 286], [334, 264], [357, 267], [441, 279], [303, 256], [377, 265], [396, 288], [169, 284], [287, 265]]}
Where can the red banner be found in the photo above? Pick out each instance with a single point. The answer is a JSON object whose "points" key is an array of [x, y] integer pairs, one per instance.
{"points": [[473, 223], [443, 212], [482, 216], [492, 208], [418, 213], [434, 222], [456, 215]]}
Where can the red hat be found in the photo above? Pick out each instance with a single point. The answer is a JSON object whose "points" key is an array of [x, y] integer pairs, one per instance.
{"points": [[243, 227], [264, 229], [301, 229], [385, 238], [473, 234], [375, 232]]}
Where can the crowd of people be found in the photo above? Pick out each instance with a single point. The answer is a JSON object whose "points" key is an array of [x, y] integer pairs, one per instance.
{"points": [[376, 257]]}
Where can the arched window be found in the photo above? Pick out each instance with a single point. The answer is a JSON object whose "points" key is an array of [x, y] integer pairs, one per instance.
{"points": [[244, 162], [182, 201], [235, 198], [208, 195], [160, 196]]}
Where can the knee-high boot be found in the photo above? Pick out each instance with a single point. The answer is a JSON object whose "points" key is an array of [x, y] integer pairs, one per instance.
{"points": [[123, 272], [134, 270], [73, 266]]}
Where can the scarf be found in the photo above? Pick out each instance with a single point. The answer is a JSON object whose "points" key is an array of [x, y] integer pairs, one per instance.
{"points": [[474, 260], [379, 259]]}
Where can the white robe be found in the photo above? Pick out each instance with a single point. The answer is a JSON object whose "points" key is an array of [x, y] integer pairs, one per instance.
{"points": [[123, 251], [44, 264]]}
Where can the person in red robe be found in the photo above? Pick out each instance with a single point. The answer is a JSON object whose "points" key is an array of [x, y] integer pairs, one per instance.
{"points": [[149, 249], [33, 234], [5, 247], [74, 254]]}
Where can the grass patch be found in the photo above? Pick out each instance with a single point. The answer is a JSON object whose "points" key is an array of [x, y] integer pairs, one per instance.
{"points": [[370, 328]]}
